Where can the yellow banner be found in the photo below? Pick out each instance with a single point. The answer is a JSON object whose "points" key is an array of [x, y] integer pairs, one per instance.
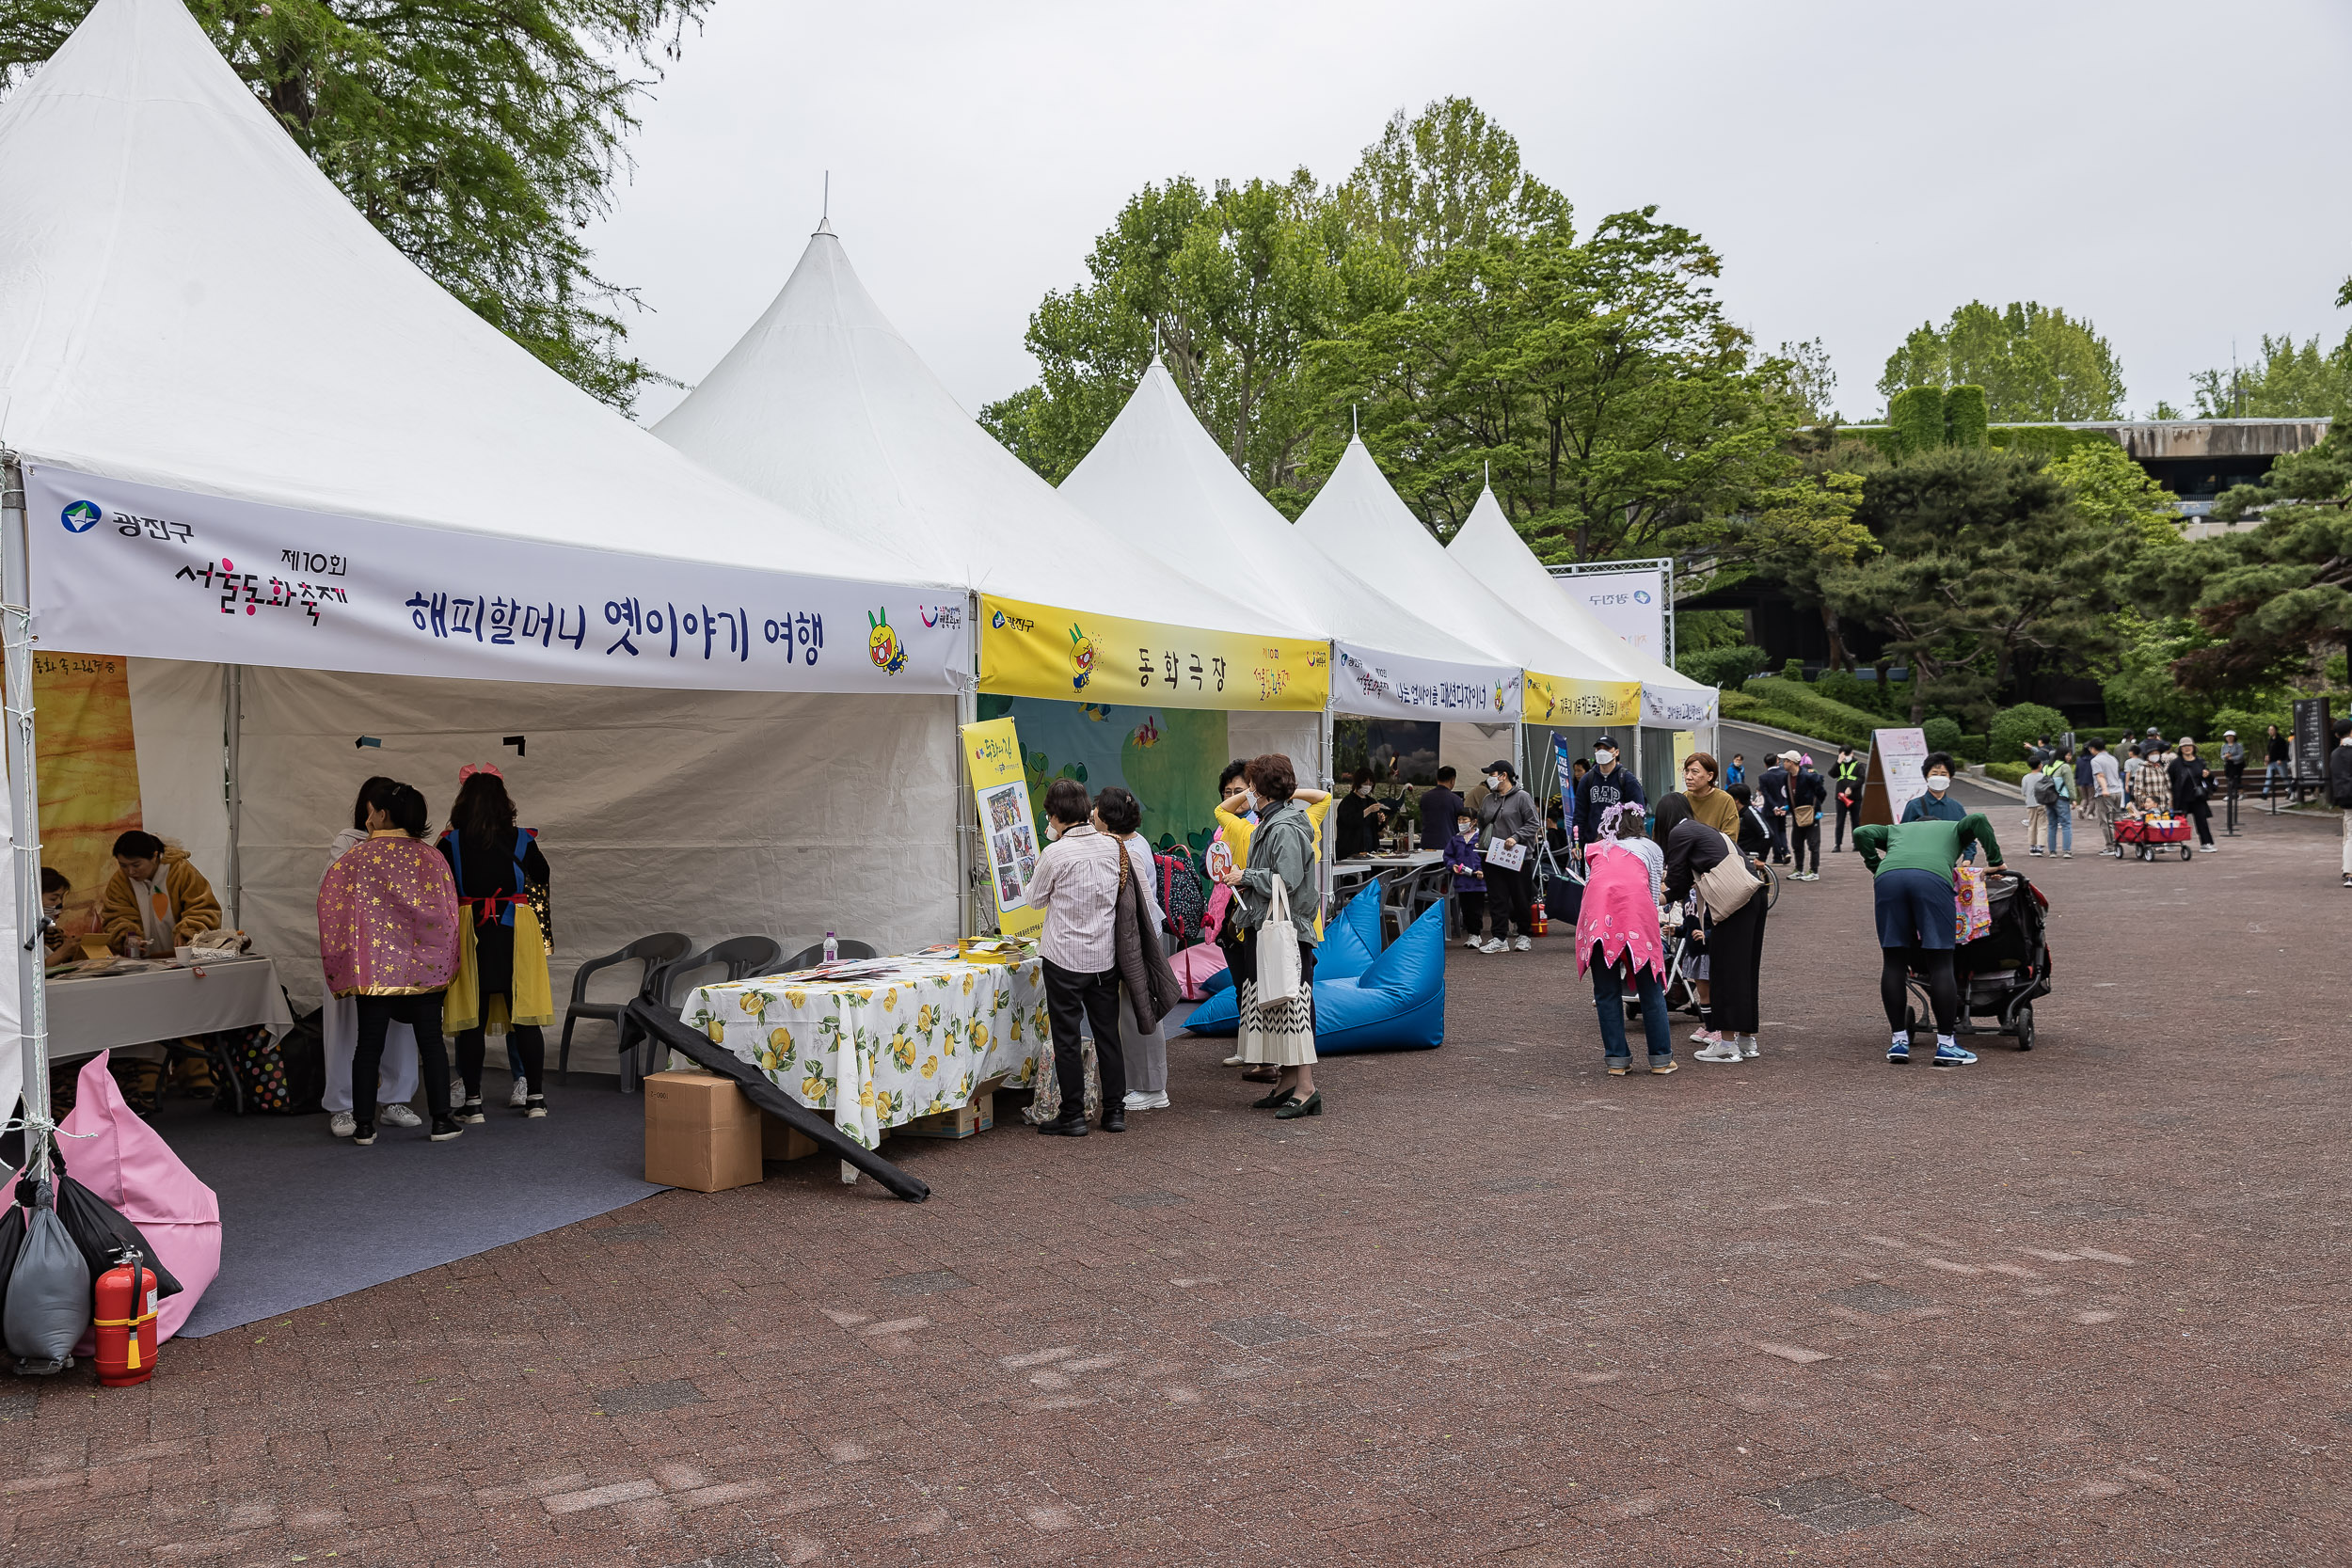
{"points": [[1560, 700], [1000, 791], [1030, 650]]}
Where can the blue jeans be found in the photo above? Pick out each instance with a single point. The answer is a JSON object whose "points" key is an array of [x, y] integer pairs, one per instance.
{"points": [[2062, 826], [1609, 997]]}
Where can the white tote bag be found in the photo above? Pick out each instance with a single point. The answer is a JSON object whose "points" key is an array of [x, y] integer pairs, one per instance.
{"points": [[1278, 949]]}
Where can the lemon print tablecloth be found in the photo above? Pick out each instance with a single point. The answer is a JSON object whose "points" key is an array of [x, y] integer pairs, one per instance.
{"points": [[904, 1038]]}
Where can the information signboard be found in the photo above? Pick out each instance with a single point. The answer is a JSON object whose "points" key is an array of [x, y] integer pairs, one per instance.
{"points": [[1894, 779]]}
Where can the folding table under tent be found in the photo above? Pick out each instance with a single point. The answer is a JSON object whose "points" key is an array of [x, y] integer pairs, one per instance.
{"points": [[1359, 518], [822, 405], [315, 501], [1493, 552]]}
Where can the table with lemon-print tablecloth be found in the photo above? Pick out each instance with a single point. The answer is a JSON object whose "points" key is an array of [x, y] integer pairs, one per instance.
{"points": [[879, 1051]]}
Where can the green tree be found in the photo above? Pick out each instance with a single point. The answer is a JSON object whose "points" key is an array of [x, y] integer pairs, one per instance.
{"points": [[1596, 382], [1983, 557], [2034, 362], [2271, 600], [1447, 179], [1231, 283], [2286, 383], [480, 136], [2108, 487]]}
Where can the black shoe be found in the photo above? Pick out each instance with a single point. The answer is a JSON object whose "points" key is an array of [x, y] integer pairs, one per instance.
{"points": [[1270, 1101], [470, 1113], [363, 1134], [536, 1106], [444, 1129], [1115, 1121], [1310, 1106], [1065, 1127]]}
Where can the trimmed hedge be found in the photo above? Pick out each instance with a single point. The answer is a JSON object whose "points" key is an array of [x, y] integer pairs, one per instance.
{"points": [[2008, 772], [1790, 705]]}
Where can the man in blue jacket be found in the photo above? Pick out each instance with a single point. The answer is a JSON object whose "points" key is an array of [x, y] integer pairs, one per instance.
{"points": [[1609, 783]]}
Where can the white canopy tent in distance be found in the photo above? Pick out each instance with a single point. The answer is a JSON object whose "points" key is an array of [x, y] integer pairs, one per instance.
{"points": [[1159, 480], [1085, 638], [1492, 551], [314, 502], [1359, 520]]}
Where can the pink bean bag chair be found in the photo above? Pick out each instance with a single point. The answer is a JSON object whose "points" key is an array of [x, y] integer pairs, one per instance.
{"points": [[132, 1168]]}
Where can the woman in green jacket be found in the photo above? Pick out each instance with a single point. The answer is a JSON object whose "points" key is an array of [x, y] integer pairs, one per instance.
{"points": [[1911, 867]]}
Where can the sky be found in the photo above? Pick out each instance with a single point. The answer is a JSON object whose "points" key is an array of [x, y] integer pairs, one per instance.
{"points": [[2171, 171]]}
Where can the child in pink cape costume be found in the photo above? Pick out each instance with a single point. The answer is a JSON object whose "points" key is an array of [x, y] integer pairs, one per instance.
{"points": [[1618, 939]]}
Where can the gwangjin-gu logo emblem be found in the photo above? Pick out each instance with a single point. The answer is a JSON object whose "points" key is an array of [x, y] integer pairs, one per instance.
{"points": [[81, 517], [1641, 595]]}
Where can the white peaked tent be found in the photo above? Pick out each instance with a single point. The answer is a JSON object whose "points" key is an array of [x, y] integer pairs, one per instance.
{"points": [[824, 408], [1359, 518], [210, 356], [1158, 480], [1492, 551]]}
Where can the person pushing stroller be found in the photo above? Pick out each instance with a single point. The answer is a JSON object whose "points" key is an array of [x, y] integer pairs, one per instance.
{"points": [[1912, 865]]}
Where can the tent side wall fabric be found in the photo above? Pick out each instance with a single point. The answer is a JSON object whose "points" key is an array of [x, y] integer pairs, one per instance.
{"points": [[715, 814]]}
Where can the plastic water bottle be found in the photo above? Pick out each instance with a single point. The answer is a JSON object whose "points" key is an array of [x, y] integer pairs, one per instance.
{"points": [[832, 949]]}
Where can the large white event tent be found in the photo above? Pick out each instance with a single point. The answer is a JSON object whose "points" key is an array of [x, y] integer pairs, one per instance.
{"points": [[823, 406], [1359, 518], [315, 499], [1492, 551], [1159, 480]]}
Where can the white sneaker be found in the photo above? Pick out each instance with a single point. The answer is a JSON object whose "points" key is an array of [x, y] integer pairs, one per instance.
{"points": [[342, 1124], [2209, 848], [1523, 945], [456, 1091], [1721, 1050], [398, 1115], [1233, 1061], [1749, 1046], [1138, 1101], [1493, 946], [519, 1095], [1473, 942]]}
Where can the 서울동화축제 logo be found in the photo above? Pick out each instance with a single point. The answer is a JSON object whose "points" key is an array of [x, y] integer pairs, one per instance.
{"points": [[82, 517], [881, 644]]}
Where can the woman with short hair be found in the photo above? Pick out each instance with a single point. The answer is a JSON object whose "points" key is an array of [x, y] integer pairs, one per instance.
{"points": [[1076, 885], [1282, 848], [1144, 1053], [339, 1019]]}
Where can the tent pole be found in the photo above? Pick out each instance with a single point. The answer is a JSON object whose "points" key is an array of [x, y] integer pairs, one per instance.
{"points": [[966, 824], [233, 713], [16, 646]]}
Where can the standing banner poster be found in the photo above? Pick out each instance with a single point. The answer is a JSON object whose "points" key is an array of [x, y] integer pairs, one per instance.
{"points": [[1032, 650], [2314, 737], [1894, 779], [130, 569], [1000, 792], [1632, 604]]}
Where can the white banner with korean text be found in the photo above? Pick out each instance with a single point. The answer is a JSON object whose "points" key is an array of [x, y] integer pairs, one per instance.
{"points": [[1369, 684], [126, 568]]}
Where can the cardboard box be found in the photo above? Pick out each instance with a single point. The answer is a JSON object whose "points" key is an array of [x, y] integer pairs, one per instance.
{"points": [[701, 1132], [979, 1116], [780, 1140]]}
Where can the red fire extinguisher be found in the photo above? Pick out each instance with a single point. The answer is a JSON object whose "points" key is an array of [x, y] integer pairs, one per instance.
{"points": [[126, 1323], [1541, 925]]}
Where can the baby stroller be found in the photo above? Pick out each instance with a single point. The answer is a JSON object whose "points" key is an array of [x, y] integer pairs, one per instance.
{"points": [[2003, 972], [2149, 835]]}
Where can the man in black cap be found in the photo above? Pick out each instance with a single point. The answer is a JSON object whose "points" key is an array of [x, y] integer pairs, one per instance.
{"points": [[1508, 813], [1608, 784]]}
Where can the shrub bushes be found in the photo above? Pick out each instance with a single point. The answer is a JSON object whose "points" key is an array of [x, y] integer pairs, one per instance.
{"points": [[2008, 772], [1726, 667], [1839, 686], [1944, 735], [2016, 728], [1794, 705]]}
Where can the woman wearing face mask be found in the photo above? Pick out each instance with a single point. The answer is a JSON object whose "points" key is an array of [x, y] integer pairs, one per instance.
{"points": [[1361, 818], [1700, 798], [1280, 1033]]}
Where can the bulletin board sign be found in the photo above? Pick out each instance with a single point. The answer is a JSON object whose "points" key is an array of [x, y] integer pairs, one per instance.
{"points": [[1894, 779], [1000, 792]]}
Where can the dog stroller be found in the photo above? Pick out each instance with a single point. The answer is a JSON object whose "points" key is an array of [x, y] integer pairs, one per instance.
{"points": [[2150, 835], [2003, 972]]}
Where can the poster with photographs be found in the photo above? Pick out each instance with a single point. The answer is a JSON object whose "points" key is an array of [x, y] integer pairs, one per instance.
{"points": [[1000, 791]]}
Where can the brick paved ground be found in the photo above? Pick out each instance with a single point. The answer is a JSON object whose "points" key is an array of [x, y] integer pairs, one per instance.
{"points": [[2084, 1305]]}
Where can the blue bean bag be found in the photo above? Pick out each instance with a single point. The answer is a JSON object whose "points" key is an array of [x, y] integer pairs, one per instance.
{"points": [[1390, 1002]]}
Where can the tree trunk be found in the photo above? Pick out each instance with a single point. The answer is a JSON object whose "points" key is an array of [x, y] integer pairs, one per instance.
{"points": [[1838, 657]]}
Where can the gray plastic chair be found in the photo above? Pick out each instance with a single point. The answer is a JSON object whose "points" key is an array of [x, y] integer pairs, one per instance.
{"points": [[843, 947], [653, 951], [737, 956]]}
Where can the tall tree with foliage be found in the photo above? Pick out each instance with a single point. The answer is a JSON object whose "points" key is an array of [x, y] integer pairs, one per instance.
{"points": [[1231, 284], [2035, 362], [1446, 178], [1595, 381], [1983, 557], [2273, 599], [2288, 382], [480, 136]]}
